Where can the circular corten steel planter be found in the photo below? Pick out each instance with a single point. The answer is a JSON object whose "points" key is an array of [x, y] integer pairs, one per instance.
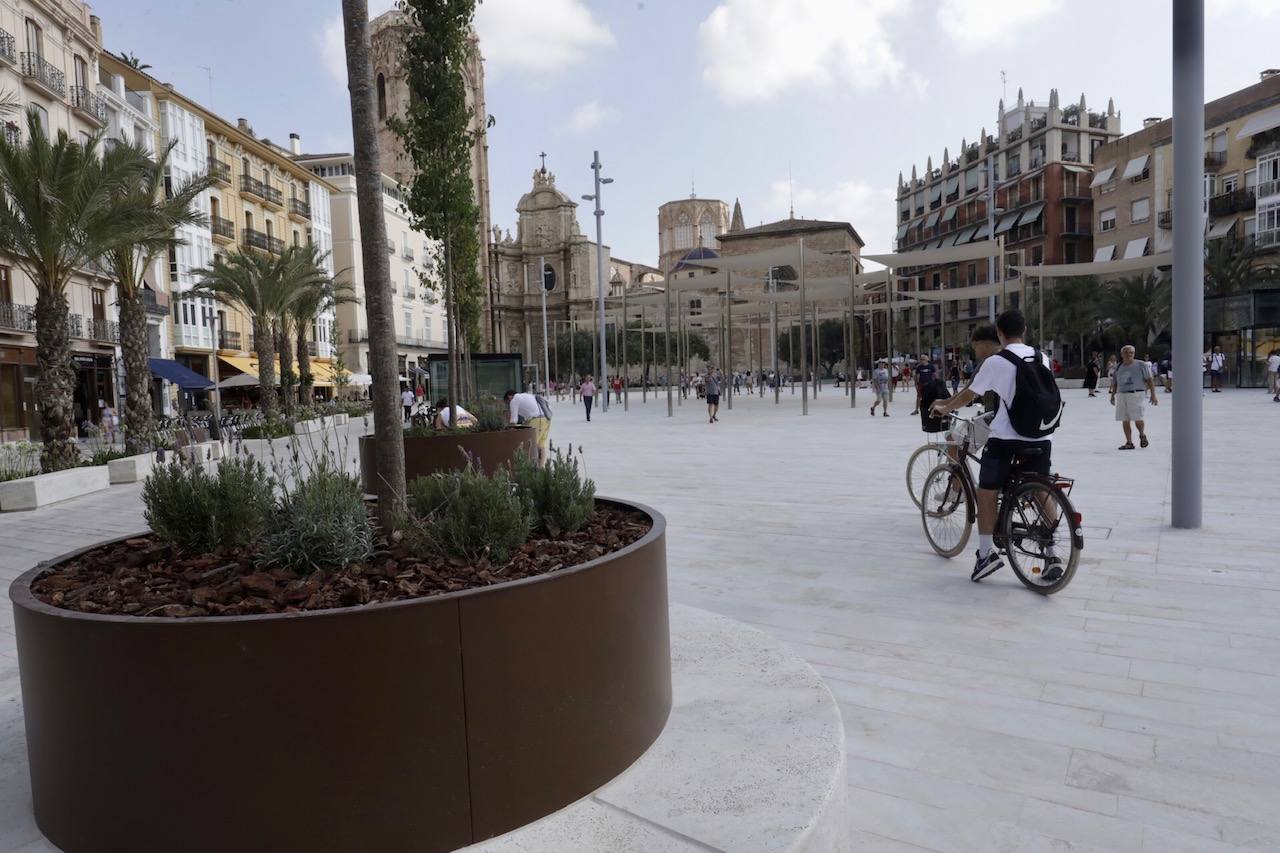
{"points": [[426, 455], [411, 725]]}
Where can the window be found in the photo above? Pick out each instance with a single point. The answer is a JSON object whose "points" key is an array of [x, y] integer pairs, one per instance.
{"points": [[684, 232], [1268, 220], [1230, 183], [248, 220], [295, 236], [1037, 188], [1140, 210], [6, 285], [408, 324], [1013, 165], [42, 114], [35, 38], [1107, 219], [1268, 175], [972, 275], [382, 97], [269, 229], [707, 231], [173, 263], [82, 72]]}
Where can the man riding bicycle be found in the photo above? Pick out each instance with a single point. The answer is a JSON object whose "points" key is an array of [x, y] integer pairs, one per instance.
{"points": [[1002, 373]]}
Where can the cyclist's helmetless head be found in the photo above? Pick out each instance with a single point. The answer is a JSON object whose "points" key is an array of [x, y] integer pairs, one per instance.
{"points": [[985, 342]]}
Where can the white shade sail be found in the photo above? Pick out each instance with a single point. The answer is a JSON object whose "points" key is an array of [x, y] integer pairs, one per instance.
{"points": [[930, 257], [976, 291], [1099, 267], [1102, 176], [1136, 166], [1265, 120]]}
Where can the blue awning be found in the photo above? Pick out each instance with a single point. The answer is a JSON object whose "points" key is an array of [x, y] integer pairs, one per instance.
{"points": [[183, 377]]}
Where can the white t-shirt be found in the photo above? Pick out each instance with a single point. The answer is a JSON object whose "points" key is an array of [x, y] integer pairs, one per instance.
{"points": [[524, 407], [1216, 361], [406, 397], [999, 375], [463, 415], [1273, 364]]}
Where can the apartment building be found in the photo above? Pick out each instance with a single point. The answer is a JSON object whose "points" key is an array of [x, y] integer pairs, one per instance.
{"points": [[419, 314], [49, 53], [1027, 184]]}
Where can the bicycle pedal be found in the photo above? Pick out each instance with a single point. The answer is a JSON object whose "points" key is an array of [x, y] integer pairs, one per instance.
{"points": [[1035, 570]]}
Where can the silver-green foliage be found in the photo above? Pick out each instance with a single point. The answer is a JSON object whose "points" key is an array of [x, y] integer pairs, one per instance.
{"points": [[465, 514], [201, 512], [561, 497], [319, 523]]}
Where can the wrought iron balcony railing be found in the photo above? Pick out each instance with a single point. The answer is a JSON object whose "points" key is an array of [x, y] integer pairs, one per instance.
{"points": [[267, 193], [89, 103], [220, 170], [300, 207], [107, 331], [229, 339], [39, 70], [8, 47], [222, 227], [153, 305], [1235, 201], [257, 240], [19, 318]]}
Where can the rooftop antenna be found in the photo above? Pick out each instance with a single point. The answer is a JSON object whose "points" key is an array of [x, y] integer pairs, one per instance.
{"points": [[791, 194], [209, 71], [693, 187]]}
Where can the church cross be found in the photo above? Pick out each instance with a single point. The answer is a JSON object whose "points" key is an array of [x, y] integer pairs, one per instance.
{"points": [[543, 155]]}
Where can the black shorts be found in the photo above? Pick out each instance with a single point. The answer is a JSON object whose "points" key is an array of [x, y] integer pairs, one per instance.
{"points": [[999, 455], [713, 399]]}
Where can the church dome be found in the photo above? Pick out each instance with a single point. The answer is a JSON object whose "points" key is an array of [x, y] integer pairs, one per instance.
{"points": [[702, 253]]}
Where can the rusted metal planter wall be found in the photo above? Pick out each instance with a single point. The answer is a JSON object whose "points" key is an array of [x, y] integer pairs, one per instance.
{"points": [[418, 725], [425, 455]]}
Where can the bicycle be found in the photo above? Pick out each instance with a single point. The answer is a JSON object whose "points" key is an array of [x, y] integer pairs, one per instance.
{"points": [[1029, 521], [923, 460]]}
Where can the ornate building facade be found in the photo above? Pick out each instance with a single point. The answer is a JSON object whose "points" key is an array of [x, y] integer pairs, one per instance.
{"points": [[389, 33], [547, 230], [690, 223]]}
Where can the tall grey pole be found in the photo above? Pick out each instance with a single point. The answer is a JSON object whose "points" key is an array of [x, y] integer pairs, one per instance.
{"points": [[644, 369], [666, 339], [893, 376], [1188, 259], [804, 365], [991, 225], [546, 359], [622, 357], [773, 339], [595, 168], [728, 338]]}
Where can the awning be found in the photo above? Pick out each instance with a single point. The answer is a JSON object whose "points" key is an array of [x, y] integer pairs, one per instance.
{"points": [[931, 257], [1265, 120], [1079, 170], [982, 232], [1136, 248], [244, 364], [1104, 253], [932, 220], [966, 235], [953, 186], [1031, 214], [935, 194], [1006, 222], [902, 230], [949, 215], [1136, 166], [1102, 177], [180, 375], [1221, 228], [361, 380], [240, 380], [1099, 267]]}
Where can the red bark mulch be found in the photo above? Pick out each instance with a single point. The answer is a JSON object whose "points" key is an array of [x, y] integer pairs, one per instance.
{"points": [[146, 577]]}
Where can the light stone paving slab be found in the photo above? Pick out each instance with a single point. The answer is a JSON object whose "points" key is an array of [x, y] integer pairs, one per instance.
{"points": [[802, 527]]}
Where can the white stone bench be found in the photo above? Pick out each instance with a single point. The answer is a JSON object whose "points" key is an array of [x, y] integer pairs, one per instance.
{"points": [[131, 469], [44, 489], [341, 419], [306, 427], [752, 758]]}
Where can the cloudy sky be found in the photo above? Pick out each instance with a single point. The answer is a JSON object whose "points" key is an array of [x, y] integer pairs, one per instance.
{"points": [[823, 101]]}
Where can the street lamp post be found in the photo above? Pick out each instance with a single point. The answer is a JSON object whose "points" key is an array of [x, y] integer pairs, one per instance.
{"points": [[595, 168]]}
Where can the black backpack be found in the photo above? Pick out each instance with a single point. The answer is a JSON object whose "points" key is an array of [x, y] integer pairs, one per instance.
{"points": [[1037, 403]]}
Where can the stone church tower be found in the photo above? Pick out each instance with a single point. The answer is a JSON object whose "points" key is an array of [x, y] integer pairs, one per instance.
{"points": [[690, 223], [389, 34]]}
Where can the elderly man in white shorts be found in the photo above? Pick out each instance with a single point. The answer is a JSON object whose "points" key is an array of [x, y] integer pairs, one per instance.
{"points": [[1130, 383]]}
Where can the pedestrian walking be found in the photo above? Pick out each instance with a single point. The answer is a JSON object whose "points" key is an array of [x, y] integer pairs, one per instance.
{"points": [[1091, 373], [880, 381], [1217, 364], [407, 400], [924, 374], [587, 390], [955, 377], [1131, 380], [713, 395], [1273, 373]]}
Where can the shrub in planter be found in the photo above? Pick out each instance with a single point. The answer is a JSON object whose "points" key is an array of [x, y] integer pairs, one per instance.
{"points": [[464, 514], [277, 428], [19, 459], [201, 512], [319, 523], [561, 498]]}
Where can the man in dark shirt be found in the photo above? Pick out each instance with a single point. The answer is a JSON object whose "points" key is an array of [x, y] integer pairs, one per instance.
{"points": [[924, 376]]}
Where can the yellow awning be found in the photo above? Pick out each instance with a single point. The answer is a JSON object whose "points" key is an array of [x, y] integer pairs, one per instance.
{"points": [[322, 372]]}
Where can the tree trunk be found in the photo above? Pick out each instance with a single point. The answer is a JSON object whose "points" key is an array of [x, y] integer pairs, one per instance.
{"points": [[451, 325], [264, 343], [377, 273], [139, 421], [54, 391], [306, 382], [288, 379]]}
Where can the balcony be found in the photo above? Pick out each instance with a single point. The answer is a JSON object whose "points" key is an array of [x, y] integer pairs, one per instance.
{"points": [[1165, 220], [153, 304], [40, 73], [12, 133], [229, 340], [8, 48], [1080, 229], [299, 209], [1069, 156], [312, 349], [224, 230], [1214, 160], [220, 171], [406, 252], [104, 331], [17, 318], [89, 105], [1268, 188], [1266, 239], [251, 186], [1235, 201], [254, 239]]}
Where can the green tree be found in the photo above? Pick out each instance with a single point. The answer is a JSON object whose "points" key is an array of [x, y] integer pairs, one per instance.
{"points": [[1142, 305], [1073, 309], [831, 344], [57, 217], [1233, 265], [439, 137], [167, 206], [341, 374], [258, 286], [315, 292]]}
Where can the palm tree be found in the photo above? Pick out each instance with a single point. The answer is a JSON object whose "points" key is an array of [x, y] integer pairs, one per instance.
{"points": [[377, 272], [56, 217], [1231, 266], [1140, 304], [258, 286], [1072, 309], [317, 292], [169, 206], [133, 61]]}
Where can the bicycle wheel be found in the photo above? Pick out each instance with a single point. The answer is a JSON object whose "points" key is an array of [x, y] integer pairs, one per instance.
{"points": [[1036, 519], [920, 465], [947, 509]]}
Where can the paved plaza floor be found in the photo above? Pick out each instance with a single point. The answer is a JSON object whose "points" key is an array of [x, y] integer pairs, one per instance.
{"points": [[1139, 710]]}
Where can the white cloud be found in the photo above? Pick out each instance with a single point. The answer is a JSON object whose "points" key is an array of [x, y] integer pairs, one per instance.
{"points": [[332, 45], [1254, 8], [753, 50], [589, 116], [542, 36], [868, 209], [974, 25]]}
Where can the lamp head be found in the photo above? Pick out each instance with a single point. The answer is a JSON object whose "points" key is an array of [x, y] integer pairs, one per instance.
{"points": [[606, 180]]}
